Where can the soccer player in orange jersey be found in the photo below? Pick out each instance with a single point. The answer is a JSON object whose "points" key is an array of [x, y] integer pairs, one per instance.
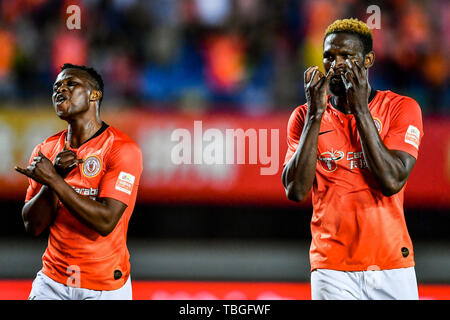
{"points": [[355, 148], [83, 184]]}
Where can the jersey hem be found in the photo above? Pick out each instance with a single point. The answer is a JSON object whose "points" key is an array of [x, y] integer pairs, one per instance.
{"points": [[362, 267], [89, 285]]}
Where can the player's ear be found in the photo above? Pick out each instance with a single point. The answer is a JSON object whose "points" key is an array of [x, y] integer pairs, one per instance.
{"points": [[95, 95], [369, 59]]}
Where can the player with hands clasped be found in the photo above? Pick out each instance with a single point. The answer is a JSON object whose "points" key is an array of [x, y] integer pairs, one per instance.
{"points": [[82, 187], [43, 171], [355, 149]]}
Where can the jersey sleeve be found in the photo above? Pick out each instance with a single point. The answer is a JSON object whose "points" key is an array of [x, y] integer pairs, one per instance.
{"points": [[33, 186], [123, 171], [294, 131], [405, 129]]}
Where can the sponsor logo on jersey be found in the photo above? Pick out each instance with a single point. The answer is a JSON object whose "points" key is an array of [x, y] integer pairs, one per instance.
{"points": [[90, 192], [125, 182], [356, 160], [91, 166], [412, 136]]}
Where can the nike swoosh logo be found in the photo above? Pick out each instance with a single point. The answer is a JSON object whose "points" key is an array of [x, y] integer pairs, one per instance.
{"points": [[325, 132]]}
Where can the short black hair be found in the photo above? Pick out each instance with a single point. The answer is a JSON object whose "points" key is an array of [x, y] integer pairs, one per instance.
{"points": [[96, 77], [352, 26]]}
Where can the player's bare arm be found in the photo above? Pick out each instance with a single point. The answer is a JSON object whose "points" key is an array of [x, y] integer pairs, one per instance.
{"points": [[298, 174], [39, 212], [101, 215], [390, 167]]}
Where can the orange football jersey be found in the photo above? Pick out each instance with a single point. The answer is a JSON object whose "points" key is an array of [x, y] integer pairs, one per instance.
{"points": [[354, 227], [111, 169]]}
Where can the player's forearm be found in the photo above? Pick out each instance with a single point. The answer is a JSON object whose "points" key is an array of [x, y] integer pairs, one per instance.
{"points": [[90, 212], [298, 174], [39, 212], [388, 169]]}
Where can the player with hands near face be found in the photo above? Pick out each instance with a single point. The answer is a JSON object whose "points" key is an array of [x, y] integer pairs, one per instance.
{"points": [[354, 148]]}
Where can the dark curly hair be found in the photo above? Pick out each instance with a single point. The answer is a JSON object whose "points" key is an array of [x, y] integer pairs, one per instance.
{"points": [[95, 76]]}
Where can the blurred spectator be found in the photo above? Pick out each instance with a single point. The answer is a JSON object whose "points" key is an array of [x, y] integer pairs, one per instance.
{"points": [[225, 68], [7, 43], [213, 13], [243, 55], [68, 46]]}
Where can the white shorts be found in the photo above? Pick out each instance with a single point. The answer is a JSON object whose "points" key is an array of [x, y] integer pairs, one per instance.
{"points": [[393, 284], [45, 288]]}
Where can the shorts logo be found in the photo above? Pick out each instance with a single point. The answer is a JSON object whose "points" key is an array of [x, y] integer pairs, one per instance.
{"points": [[378, 124], [125, 182], [412, 136], [328, 160], [91, 166]]}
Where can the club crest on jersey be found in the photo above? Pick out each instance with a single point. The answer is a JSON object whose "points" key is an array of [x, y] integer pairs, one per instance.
{"points": [[91, 166], [328, 160], [378, 124]]}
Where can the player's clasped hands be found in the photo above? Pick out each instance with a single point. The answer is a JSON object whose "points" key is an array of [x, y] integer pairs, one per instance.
{"points": [[66, 161], [43, 171]]}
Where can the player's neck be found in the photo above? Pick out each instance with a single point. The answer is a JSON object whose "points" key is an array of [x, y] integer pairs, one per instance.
{"points": [[81, 130], [340, 103]]}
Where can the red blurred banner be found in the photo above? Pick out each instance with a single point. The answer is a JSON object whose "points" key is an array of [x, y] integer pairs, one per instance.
{"points": [[215, 158], [190, 290]]}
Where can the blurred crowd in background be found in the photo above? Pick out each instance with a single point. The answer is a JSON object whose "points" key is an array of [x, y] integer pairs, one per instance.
{"points": [[206, 55]]}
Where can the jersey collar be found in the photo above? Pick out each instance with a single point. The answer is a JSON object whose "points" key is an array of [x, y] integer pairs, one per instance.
{"points": [[99, 132]]}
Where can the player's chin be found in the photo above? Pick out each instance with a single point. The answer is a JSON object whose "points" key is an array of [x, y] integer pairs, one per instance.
{"points": [[337, 88], [66, 110], [62, 113]]}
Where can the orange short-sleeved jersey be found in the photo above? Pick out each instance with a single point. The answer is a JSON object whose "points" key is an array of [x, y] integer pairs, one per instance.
{"points": [[111, 169], [354, 226]]}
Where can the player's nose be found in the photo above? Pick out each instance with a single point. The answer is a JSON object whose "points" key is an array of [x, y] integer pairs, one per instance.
{"points": [[339, 63], [62, 88]]}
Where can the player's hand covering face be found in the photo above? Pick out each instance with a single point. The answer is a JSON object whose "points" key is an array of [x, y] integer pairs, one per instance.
{"points": [[315, 83], [356, 85]]}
